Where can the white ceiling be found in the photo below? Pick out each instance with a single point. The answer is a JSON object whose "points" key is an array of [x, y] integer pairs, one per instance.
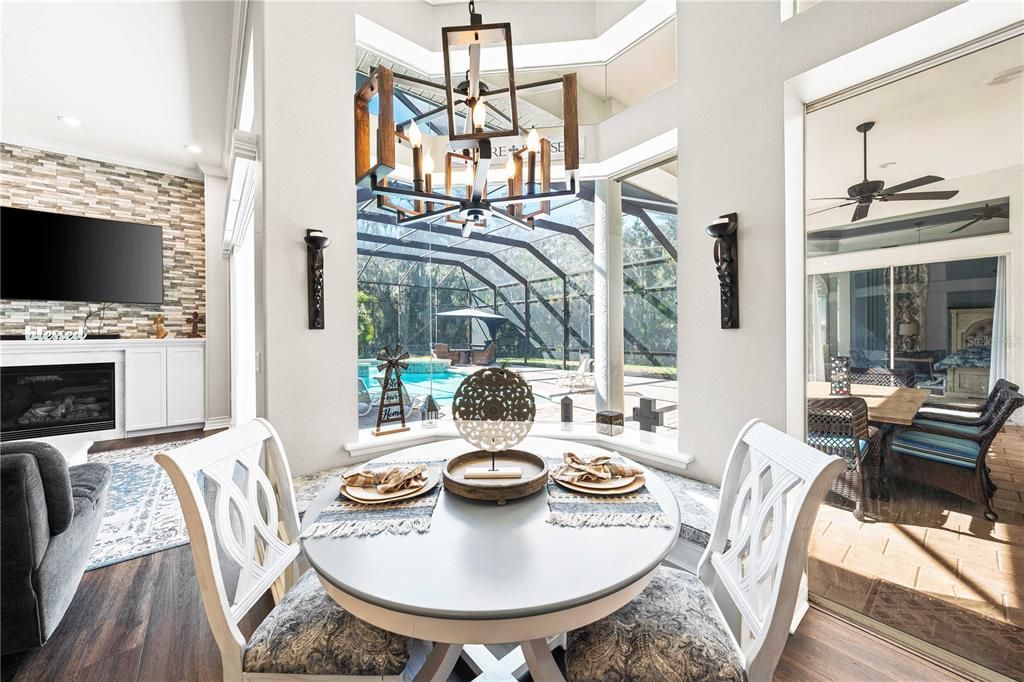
{"points": [[945, 121], [145, 79]]}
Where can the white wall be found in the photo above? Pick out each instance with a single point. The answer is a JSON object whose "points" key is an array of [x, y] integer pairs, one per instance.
{"points": [[218, 335], [308, 80], [733, 60]]}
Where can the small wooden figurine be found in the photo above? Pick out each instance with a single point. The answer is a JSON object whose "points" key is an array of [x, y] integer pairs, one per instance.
{"points": [[195, 319], [158, 325]]}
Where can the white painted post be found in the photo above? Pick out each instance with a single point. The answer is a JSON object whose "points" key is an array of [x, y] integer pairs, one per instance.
{"points": [[608, 296]]}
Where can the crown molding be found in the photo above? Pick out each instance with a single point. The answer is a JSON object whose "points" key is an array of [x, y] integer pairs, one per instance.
{"points": [[624, 34], [14, 138]]}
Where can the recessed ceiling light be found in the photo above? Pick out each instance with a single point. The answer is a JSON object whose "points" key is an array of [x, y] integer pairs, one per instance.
{"points": [[887, 164], [69, 121], [193, 148], [1004, 77]]}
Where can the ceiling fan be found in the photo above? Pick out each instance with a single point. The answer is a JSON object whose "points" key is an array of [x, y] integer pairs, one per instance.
{"points": [[866, 191], [987, 213]]}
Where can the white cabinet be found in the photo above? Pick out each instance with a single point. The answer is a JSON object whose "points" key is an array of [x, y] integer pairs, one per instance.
{"points": [[145, 388], [164, 387], [185, 381]]}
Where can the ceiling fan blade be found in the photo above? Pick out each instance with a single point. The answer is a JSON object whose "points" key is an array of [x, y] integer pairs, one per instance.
{"points": [[965, 226], [822, 210], [860, 212], [829, 198], [911, 184], [919, 196]]}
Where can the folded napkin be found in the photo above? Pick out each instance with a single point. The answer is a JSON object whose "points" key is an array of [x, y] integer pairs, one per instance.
{"points": [[576, 469], [388, 480]]}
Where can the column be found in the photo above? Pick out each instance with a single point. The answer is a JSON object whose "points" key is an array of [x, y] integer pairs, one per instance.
{"points": [[608, 298]]}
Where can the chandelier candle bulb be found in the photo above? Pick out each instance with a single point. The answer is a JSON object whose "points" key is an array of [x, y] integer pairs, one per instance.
{"points": [[414, 135], [532, 147], [479, 117], [417, 173]]}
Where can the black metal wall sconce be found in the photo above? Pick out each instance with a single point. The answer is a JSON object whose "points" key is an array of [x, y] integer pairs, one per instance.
{"points": [[316, 242], [727, 264]]}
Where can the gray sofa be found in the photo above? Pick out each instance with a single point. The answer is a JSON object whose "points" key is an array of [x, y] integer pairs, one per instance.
{"points": [[49, 516]]}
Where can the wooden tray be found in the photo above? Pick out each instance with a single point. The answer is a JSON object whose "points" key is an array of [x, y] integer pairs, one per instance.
{"points": [[500, 490]]}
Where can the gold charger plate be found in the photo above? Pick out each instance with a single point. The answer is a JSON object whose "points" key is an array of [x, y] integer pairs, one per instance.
{"points": [[617, 482], [371, 496], [637, 483]]}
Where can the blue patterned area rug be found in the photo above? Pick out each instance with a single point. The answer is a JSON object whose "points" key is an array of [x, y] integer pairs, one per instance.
{"points": [[142, 514]]}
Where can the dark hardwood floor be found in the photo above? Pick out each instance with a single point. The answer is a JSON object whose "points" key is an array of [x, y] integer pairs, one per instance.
{"points": [[143, 620]]}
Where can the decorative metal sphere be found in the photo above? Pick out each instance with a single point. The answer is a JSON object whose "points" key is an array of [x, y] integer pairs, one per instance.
{"points": [[494, 409]]}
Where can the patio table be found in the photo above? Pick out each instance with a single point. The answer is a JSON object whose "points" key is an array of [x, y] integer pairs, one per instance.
{"points": [[886, 404], [489, 574]]}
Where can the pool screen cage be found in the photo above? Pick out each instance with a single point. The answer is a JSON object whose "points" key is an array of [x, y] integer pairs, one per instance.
{"points": [[541, 281]]}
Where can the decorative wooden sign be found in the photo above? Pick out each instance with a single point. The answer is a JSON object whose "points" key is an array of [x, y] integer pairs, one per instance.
{"points": [[392, 402]]}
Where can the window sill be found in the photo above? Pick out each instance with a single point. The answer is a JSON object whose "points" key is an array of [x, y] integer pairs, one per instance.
{"points": [[655, 449]]}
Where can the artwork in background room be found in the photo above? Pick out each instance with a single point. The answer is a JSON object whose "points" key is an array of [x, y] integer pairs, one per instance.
{"points": [[392, 395]]}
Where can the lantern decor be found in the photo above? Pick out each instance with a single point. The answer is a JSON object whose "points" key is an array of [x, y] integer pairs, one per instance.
{"points": [[839, 375], [567, 410], [430, 412], [475, 113], [609, 423], [392, 395]]}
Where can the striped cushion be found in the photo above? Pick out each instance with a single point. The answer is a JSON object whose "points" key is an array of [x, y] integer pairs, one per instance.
{"points": [[825, 441], [964, 414], [946, 449], [934, 424]]}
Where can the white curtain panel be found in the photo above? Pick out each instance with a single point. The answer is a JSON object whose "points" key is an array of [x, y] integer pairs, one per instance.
{"points": [[817, 336], [997, 364]]}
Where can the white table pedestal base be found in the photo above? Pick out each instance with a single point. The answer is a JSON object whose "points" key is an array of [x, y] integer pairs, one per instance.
{"points": [[514, 664]]}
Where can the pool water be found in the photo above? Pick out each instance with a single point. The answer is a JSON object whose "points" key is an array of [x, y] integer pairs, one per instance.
{"points": [[444, 385], [419, 384]]}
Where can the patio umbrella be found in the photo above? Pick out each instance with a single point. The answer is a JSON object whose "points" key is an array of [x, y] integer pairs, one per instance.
{"points": [[492, 320]]}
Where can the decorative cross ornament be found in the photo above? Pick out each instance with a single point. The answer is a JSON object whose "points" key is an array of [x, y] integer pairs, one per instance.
{"points": [[649, 415], [195, 319], [392, 398]]}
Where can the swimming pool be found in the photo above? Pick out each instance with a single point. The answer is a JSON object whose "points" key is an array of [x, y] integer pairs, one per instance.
{"points": [[443, 387]]}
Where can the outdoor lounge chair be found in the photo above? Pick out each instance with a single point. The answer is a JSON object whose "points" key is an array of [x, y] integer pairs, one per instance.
{"points": [[952, 456], [882, 376], [365, 400], [485, 356], [583, 375]]}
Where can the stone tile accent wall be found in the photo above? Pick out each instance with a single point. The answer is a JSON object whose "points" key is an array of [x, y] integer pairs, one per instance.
{"points": [[48, 181]]}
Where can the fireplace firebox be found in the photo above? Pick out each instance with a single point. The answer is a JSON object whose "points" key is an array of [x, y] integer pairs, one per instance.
{"points": [[49, 400]]}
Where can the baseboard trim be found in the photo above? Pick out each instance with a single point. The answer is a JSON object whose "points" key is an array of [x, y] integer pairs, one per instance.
{"points": [[217, 423]]}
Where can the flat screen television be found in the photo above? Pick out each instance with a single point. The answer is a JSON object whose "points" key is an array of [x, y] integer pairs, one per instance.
{"points": [[57, 257]]}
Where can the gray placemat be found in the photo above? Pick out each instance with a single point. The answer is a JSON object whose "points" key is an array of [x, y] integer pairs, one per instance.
{"points": [[344, 517], [638, 509]]}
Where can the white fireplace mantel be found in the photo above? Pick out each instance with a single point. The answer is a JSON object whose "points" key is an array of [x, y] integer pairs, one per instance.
{"points": [[159, 383]]}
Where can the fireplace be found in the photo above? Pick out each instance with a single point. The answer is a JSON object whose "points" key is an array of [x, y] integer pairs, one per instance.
{"points": [[48, 400]]}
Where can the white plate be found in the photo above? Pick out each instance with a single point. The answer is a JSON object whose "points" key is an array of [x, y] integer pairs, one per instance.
{"points": [[617, 482], [371, 496], [638, 482]]}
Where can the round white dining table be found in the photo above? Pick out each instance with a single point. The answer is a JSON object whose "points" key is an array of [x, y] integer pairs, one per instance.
{"points": [[489, 574]]}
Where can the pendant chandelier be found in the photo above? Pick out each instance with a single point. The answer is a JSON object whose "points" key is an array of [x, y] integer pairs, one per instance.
{"points": [[474, 121]]}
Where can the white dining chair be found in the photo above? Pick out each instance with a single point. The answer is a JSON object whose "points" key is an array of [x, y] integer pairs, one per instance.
{"points": [[752, 569], [236, 494]]}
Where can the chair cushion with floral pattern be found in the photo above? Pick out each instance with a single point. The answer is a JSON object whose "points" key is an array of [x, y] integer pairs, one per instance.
{"points": [[672, 632], [308, 633]]}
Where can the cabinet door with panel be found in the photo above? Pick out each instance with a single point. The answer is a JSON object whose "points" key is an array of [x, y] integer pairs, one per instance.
{"points": [[145, 388], [186, 396]]}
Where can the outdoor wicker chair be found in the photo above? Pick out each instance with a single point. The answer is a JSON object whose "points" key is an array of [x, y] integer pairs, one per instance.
{"points": [[839, 426], [943, 413], [952, 456], [882, 376]]}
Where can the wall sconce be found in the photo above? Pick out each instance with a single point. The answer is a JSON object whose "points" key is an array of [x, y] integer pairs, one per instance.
{"points": [[727, 264], [316, 242]]}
